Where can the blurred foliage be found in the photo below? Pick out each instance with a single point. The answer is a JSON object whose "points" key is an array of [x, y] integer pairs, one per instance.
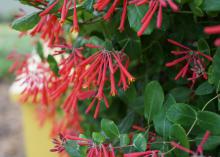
{"points": [[10, 41]]}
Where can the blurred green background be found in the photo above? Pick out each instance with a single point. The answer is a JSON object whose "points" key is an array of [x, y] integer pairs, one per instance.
{"points": [[9, 39]]}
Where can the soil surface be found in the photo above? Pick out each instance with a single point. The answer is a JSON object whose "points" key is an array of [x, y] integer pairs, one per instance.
{"points": [[11, 138]]}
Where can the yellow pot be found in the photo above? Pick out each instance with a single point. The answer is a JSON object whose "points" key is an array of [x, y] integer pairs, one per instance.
{"points": [[36, 138]]}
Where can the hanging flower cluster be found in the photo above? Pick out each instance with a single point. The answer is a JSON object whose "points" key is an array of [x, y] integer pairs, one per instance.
{"points": [[213, 30], [195, 64], [33, 76], [88, 76], [154, 6], [37, 80]]}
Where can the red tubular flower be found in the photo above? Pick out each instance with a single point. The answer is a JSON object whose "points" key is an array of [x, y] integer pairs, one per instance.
{"points": [[154, 6], [102, 4], [213, 30], [50, 29], [136, 127], [67, 4], [75, 27], [47, 10], [149, 153], [195, 64], [199, 150]]}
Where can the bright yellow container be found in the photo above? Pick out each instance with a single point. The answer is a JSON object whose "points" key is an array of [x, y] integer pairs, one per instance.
{"points": [[37, 140]]}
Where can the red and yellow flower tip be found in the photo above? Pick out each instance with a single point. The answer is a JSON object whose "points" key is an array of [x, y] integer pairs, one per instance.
{"points": [[195, 64]]}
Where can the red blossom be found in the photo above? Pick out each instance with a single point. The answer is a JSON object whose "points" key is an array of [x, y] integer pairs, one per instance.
{"points": [[195, 64], [149, 153], [213, 30], [102, 4], [50, 29]]}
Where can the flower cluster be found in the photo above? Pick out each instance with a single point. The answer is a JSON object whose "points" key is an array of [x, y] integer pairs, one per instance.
{"points": [[195, 64], [49, 29], [213, 30], [88, 76], [33, 77], [154, 6], [36, 80]]}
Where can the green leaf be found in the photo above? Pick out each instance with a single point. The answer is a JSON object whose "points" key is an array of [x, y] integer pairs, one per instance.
{"points": [[161, 123], [129, 95], [203, 46], [211, 5], [196, 10], [132, 44], [204, 89], [72, 148], [27, 22], [140, 142], [40, 50], [209, 121], [88, 4], [126, 122], [124, 140], [215, 66], [198, 2], [182, 114], [53, 64], [181, 94], [135, 14], [153, 99], [110, 128], [98, 137], [178, 133], [212, 142]]}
